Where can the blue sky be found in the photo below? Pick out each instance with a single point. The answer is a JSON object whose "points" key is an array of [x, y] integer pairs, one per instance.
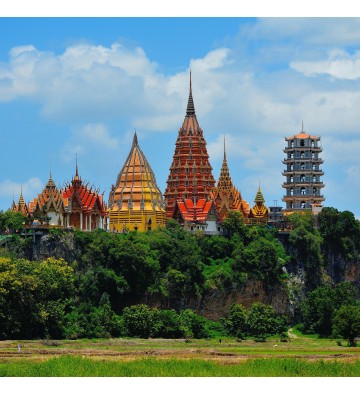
{"points": [[83, 85]]}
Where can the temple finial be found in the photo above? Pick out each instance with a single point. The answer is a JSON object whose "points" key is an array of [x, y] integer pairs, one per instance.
{"points": [[190, 107], [77, 170], [135, 139], [50, 170], [302, 126], [224, 149]]}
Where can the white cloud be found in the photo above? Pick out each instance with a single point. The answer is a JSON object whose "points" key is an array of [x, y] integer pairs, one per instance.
{"points": [[30, 188], [339, 64], [87, 138], [314, 31]]}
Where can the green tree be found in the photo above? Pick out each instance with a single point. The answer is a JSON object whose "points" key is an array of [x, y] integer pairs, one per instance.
{"points": [[347, 323], [234, 224], [167, 325], [193, 325], [263, 321], [138, 320], [237, 321], [12, 221], [320, 306]]}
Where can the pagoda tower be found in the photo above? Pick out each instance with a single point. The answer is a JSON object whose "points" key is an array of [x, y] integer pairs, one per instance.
{"points": [[135, 201], [190, 172], [225, 196], [259, 213], [303, 173]]}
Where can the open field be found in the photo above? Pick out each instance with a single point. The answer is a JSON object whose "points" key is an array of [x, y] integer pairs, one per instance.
{"points": [[301, 356]]}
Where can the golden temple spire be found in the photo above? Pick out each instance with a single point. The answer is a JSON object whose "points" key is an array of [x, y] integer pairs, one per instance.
{"points": [[21, 199], [259, 198]]}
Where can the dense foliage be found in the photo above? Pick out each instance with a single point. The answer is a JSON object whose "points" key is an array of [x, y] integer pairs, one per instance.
{"points": [[109, 280]]}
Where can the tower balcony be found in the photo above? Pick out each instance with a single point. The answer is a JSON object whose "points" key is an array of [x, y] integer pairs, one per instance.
{"points": [[300, 160], [305, 172], [314, 184], [306, 198], [306, 149]]}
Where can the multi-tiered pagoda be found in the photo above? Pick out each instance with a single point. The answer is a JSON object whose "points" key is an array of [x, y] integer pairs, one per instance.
{"points": [[225, 196], [303, 172], [135, 201], [190, 172]]}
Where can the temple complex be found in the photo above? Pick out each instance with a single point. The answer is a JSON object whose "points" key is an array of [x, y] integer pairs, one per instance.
{"points": [[303, 173], [225, 196], [259, 213], [190, 172], [135, 201], [84, 208]]}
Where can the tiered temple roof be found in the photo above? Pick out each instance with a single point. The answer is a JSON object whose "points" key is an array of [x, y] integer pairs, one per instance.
{"points": [[190, 172], [21, 207], [135, 201], [225, 196], [78, 197], [48, 200], [259, 211]]}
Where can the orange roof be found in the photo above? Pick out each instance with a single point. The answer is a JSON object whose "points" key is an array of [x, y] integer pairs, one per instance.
{"points": [[191, 212], [302, 135], [86, 197]]}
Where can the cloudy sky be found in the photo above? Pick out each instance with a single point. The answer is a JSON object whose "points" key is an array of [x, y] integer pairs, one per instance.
{"points": [[82, 86]]}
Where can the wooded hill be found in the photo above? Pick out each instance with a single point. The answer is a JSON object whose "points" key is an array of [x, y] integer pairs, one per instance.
{"points": [[77, 284]]}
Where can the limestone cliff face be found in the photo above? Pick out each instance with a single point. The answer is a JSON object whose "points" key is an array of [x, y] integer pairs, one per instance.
{"points": [[57, 246], [216, 304]]}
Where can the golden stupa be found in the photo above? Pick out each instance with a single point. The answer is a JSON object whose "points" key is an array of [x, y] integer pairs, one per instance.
{"points": [[259, 213], [135, 202]]}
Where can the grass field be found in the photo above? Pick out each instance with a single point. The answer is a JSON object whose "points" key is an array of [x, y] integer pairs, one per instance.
{"points": [[301, 356]]}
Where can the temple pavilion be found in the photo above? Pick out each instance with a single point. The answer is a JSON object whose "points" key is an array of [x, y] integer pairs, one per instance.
{"points": [[135, 201], [76, 206]]}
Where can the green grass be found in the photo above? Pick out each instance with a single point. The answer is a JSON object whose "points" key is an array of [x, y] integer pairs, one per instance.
{"points": [[76, 366]]}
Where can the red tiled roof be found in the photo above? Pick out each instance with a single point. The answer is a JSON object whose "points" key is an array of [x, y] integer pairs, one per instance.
{"points": [[191, 212]]}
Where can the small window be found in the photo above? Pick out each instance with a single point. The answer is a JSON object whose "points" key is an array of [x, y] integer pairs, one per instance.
{"points": [[302, 166], [302, 143], [302, 178], [302, 154], [303, 205], [303, 191]]}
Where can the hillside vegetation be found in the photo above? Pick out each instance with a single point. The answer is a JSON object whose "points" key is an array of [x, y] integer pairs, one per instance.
{"points": [[100, 284]]}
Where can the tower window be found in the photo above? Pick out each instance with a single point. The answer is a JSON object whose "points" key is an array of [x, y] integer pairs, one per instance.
{"points": [[302, 154], [302, 166], [303, 205], [302, 178], [302, 143], [303, 191]]}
